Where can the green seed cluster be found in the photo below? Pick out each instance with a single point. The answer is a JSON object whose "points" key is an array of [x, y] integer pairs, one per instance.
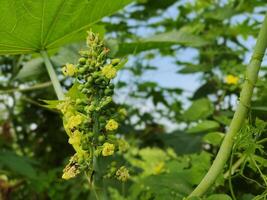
{"points": [[91, 120]]}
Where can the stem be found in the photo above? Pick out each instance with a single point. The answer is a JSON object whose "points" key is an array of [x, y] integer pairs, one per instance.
{"points": [[239, 116], [52, 75], [230, 178], [235, 166], [34, 87]]}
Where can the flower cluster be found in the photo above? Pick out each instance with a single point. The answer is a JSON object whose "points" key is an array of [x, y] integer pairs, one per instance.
{"points": [[89, 114], [123, 174]]}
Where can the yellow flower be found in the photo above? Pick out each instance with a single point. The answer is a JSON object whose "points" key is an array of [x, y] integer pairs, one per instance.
{"points": [[231, 80], [74, 121], [123, 174], [69, 70], [70, 172], [76, 138], [159, 168], [108, 149], [64, 107], [109, 71], [112, 125]]}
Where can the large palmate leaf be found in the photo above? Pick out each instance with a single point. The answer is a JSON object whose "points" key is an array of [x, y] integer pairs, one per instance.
{"points": [[28, 26]]}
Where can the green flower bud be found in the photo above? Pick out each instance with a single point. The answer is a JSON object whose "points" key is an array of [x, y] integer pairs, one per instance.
{"points": [[91, 69], [85, 90], [79, 101], [115, 61], [82, 61], [101, 138], [101, 91], [89, 79], [91, 108], [90, 134], [99, 80], [108, 92], [82, 70], [87, 84], [111, 86], [84, 53], [95, 75]]}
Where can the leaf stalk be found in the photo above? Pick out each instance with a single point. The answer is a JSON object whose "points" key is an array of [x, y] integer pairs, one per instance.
{"points": [[239, 116], [52, 75]]}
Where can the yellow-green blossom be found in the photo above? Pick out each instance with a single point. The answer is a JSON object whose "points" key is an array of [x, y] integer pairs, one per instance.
{"points": [[69, 70], [108, 149], [74, 121], [70, 172], [231, 80], [112, 125], [65, 106], [109, 71], [75, 139], [123, 174]]}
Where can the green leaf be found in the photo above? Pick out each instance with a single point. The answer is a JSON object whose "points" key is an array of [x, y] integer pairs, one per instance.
{"points": [[52, 104], [187, 143], [162, 40], [213, 138], [75, 93], [31, 68], [30, 26], [18, 164], [200, 109], [219, 197], [204, 126], [221, 13]]}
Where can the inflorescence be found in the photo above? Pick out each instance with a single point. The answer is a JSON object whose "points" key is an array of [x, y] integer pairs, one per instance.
{"points": [[91, 117]]}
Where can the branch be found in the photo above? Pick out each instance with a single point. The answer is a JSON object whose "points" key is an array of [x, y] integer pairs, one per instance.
{"points": [[239, 116]]}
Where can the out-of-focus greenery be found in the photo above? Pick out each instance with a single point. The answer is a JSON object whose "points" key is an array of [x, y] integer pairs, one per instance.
{"points": [[163, 162]]}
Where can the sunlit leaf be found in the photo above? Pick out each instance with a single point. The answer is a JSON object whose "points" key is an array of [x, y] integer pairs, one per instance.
{"points": [[28, 26]]}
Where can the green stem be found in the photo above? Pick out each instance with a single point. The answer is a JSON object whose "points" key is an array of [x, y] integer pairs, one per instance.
{"points": [[52, 75], [34, 87], [235, 166], [239, 116]]}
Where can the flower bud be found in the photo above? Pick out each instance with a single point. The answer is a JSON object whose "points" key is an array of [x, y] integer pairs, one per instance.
{"points": [[115, 61], [82, 61]]}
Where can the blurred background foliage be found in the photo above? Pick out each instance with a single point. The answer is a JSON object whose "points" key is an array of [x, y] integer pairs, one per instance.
{"points": [[173, 132]]}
